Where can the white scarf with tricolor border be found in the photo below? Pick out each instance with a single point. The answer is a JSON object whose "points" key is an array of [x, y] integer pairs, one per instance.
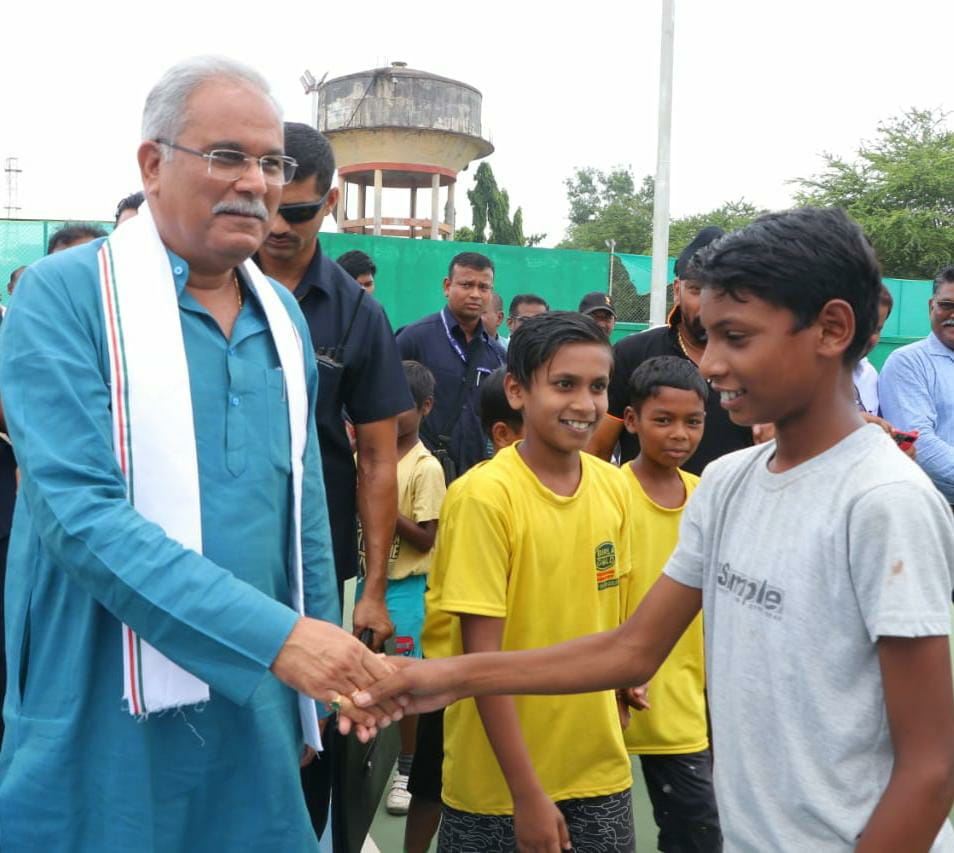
{"points": [[154, 432]]}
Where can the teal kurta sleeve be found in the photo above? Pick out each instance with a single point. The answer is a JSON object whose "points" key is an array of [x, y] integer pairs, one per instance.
{"points": [[56, 397]]}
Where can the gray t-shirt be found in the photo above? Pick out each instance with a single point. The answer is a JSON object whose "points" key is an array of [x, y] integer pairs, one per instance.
{"points": [[801, 572]]}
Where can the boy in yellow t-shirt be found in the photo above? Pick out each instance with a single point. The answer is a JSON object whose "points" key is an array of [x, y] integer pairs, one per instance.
{"points": [[533, 548], [502, 426], [666, 412], [421, 491]]}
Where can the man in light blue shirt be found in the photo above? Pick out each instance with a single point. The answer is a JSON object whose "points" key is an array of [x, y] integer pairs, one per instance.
{"points": [[916, 388]]}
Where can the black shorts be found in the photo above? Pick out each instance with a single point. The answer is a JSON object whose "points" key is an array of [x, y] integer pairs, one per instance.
{"points": [[425, 779], [596, 825], [684, 804]]}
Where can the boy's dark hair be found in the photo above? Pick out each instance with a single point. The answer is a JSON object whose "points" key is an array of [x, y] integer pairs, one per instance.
{"points": [[357, 263], [539, 337], [944, 276], [494, 406], [73, 231], [526, 299], [313, 153], [133, 201], [798, 260], [665, 371], [420, 381], [886, 298], [471, 260]]}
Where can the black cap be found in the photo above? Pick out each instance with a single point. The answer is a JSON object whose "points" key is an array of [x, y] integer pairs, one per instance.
{"points": [[596, 301], [700, 241]]}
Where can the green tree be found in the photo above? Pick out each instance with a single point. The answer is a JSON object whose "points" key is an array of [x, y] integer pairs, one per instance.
{"points": [[491, 205], [729, 217], [900, 189], [606, 206]]}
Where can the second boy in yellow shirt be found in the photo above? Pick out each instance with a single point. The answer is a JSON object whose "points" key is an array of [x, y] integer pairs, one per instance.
{"points": [[667, 413]]}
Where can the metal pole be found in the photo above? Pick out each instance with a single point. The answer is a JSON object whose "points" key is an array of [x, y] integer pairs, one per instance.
{"points": [[611, 245], [660, 267]]}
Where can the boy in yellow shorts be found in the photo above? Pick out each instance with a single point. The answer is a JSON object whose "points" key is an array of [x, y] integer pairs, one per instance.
{"points": [[666, 412], [421, 492], [534, 545]]}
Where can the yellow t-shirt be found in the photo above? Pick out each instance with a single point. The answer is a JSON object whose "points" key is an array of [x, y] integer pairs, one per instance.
{"points": [[421, 490], [551, 566], [676, 722], [436, 634]]}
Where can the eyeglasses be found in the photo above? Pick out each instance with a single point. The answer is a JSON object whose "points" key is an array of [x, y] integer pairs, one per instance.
{"points": [[944, 305], [295, 214], [228, 165]]}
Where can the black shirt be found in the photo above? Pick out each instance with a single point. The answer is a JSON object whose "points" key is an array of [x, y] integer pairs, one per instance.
{"points": [[720, 436], [439, 343], [359, 373]]}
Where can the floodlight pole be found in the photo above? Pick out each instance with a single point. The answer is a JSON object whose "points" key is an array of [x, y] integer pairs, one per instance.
{"points": [[660, 266], [611, 245]]}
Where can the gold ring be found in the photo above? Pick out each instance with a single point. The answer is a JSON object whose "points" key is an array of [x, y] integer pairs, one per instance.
{"points": [[335, 704]]}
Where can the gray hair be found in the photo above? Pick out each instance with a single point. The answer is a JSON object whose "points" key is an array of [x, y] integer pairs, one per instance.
{"points": [[164, 115]]}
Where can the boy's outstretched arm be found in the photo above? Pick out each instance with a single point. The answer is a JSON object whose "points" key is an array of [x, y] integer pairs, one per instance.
{"points": [[538, 823], [625, 657], [916, 673]]}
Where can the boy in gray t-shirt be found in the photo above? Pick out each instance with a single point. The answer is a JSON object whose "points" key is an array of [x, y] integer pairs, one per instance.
{"points": [[824, 563]]}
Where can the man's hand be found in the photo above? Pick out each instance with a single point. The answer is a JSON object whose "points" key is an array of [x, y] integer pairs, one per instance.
{"points": [[911, 452], [371, 613], [416, 685], [328, 664], [539, 825]]}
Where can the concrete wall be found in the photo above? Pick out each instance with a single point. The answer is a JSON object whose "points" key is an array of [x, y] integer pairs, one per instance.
{"points": [[399, 97]]}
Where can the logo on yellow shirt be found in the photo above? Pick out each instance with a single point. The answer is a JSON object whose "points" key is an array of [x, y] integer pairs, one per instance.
{"points": [[606, 566]]}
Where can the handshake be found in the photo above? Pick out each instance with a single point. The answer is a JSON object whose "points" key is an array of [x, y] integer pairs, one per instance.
{"points": [[369, 691]]}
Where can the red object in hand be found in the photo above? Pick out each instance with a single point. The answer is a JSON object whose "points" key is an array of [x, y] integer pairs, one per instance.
{"points": [[905, 440]]}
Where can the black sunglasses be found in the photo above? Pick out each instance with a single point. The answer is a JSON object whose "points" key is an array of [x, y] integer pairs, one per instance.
{"points": [[295, 214]]}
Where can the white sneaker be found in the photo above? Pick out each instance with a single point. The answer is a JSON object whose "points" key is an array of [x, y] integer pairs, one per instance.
{"points": [[399, 799]]}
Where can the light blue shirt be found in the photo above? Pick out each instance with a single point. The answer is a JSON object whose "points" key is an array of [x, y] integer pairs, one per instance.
{"points": [[916, 390], [77, 770]]}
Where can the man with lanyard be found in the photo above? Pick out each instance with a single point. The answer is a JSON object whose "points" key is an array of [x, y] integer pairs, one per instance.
{"points": [[682, 336], [171, 526], [455, 346]]}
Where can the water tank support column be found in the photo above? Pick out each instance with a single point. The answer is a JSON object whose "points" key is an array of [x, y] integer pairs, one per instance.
{"points": [[362, 203], [342, 202], [450, 215], [435, 205], [378, 189]]}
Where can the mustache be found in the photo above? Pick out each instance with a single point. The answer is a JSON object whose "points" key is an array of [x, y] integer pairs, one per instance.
{"points": [[242, 207]]}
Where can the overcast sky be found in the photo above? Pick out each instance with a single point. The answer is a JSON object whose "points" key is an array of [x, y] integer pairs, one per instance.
{"points": [[762, 87]]}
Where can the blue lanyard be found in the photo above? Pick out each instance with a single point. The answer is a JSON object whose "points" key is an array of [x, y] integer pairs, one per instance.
{"points": [[452, 340], [459, 350]]}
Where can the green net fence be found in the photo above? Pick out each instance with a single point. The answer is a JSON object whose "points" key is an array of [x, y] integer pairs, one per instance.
{"points": [[410, 273]]}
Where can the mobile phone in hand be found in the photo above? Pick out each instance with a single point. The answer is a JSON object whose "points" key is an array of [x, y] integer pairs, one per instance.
{"points": [[905, 440]]}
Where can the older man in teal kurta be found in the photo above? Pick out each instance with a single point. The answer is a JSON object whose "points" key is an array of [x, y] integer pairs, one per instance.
{"points": [[78, 771]]}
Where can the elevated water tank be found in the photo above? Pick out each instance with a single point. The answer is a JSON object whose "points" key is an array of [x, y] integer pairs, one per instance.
{"points": [[400, 128]]}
